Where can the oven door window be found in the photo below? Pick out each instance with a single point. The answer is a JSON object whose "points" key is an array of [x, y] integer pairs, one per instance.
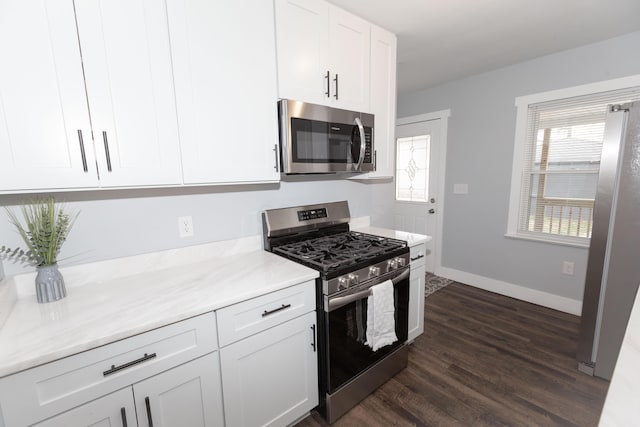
{"points": [[320, 142], [347, 353]]}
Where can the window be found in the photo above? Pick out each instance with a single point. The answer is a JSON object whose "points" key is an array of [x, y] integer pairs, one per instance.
{"points": [[412, 168], [556, 165]]}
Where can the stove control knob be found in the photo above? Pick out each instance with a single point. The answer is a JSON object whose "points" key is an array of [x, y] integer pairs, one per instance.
{"points": [[392, 264], [353, 279], [401, 262], [374, 271], [343, 283]]}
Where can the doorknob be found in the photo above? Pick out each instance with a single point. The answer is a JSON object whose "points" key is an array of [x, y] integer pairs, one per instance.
{"points": [[432, 211]]}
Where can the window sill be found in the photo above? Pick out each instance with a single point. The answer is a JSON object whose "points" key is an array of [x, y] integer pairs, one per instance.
{"points": [[583, 245]]}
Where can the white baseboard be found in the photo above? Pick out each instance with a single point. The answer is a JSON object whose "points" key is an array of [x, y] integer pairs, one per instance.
{"points": [[523, 293]]}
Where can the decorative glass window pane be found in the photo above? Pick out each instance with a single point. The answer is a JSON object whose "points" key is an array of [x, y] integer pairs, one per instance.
{"points": [[412, 168]]}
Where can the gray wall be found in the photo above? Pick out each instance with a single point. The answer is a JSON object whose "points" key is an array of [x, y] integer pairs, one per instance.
{"points": [[480, 151], [127, 222]]}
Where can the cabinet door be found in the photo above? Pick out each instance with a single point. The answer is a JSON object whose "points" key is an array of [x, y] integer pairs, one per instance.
{"points": [[127, 64], [271, 378], [349, 53], [188, 395], [302, 40], [416, 303], [383, 100], [115, 409], [224, 61], [43, 109]]}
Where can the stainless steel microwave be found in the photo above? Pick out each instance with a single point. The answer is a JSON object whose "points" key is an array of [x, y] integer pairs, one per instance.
{"points": [[320, 139]]}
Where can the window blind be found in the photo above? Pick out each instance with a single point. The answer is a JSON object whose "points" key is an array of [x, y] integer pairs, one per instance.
{"points": [[562, 159]]}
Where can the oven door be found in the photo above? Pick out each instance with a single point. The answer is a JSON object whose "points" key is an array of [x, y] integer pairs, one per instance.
{"points": [[345, 315]]}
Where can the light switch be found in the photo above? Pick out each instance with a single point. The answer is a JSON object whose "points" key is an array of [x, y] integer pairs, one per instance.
{"points": [[460, 188]]}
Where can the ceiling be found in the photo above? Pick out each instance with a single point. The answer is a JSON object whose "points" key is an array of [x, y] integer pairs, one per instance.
{"points": [[445, 40]]}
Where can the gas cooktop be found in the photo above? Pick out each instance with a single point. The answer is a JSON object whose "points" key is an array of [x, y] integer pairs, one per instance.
{"points": [[337, 251]]}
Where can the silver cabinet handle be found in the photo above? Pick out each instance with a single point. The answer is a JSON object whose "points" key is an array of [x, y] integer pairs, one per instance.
{"points": [[106, 149], [417, 257], [375, 159], [123, 414], [328, 84], [148, 405], [275, 153], [313, 331], [336, 80], [363, 144], [82, 153]]}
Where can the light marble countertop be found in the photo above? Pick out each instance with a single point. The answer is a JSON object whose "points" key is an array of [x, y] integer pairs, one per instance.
{"points": [[98, 312], [621, 405]]}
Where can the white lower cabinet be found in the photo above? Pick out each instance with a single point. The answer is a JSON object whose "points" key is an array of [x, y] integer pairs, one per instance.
{"points": [[188, 395], [115, 409], [266, 372], [416, 292], [271, 378], [268, 357]]}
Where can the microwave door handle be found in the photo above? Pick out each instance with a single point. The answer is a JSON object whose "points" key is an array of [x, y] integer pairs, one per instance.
{"points": [[337, 302], [363, 145]]}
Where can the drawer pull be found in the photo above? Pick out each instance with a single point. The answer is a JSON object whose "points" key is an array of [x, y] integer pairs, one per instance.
{"points": [[123, 414], [115, 368], [417, 257], [148, 405], [275, 310], [313, 344]]}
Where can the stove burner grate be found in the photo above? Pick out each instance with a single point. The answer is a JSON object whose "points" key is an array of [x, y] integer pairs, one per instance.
{"points": [[328, 253]]}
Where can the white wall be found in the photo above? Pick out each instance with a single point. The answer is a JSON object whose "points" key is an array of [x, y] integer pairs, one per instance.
{"points": [[480, 150], [118, 223]]}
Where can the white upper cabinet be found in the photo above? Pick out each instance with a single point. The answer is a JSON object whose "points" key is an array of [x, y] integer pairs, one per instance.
{"points": [[226, 89], [323, 54], [127, 65], [118, 75], [302, 34], [383, 101], [45, 135], [349, 53]]}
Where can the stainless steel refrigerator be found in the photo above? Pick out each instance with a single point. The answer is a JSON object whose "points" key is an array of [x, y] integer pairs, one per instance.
{"points": [[613, 269]]}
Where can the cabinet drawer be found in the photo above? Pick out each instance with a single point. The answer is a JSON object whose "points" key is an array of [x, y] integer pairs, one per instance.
{"points": [[418, 253], [252, 316], [46, 390]]}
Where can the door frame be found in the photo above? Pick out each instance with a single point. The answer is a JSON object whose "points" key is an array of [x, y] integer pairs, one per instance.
{"points": [[443, 116]]}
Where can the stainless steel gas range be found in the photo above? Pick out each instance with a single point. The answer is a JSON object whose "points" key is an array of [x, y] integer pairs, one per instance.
{"points": [[351, 265]]}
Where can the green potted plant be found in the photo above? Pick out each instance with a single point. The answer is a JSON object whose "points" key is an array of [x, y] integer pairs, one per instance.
{"points": [[46, 227]]}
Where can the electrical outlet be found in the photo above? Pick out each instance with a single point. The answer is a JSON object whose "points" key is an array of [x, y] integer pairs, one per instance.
{"points": [[185, 226], [567, 268]]}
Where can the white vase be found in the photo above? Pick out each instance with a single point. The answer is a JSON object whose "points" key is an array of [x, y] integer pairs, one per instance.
{"points": [[49, 284]]}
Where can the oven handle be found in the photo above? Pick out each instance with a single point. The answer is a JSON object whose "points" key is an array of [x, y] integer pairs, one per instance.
{"points": [[337, 302]]}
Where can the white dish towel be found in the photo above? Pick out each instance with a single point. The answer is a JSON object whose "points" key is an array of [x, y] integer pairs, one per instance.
{"points": [[381, 325]]}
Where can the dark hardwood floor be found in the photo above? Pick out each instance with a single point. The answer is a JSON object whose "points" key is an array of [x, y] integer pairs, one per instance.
{"points": [[485, 360]]}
